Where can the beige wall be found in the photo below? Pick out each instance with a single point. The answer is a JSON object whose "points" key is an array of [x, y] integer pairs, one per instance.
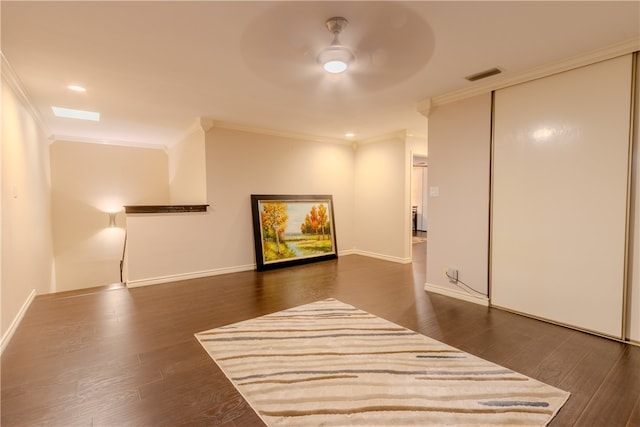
{"points": [[242, 163], [187, 169], [87, 182], [238, 164], [27, 247], [459, 154], [382, 199]]}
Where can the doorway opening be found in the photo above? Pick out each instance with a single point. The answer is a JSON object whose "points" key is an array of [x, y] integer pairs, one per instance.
{"points": [[419, 199]]}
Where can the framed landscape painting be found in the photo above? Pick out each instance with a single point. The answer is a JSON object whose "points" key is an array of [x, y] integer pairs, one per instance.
{"points": [[293, 229]]}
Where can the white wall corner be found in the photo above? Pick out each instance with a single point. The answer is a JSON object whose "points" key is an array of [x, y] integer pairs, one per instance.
{"points": [[16, 321], [424, 107], [457, 294], [206, 124]]}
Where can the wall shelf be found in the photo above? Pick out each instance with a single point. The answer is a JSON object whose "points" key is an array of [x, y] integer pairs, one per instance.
{"points": [[148, 209]]}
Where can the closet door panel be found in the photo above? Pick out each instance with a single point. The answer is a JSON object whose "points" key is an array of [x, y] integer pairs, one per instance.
{"points": [[559, 196]]}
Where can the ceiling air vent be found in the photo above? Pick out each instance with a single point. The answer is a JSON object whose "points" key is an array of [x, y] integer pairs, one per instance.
{"points": [[484, 74]]}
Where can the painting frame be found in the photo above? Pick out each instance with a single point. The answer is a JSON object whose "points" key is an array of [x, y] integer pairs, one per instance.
{"points": [[303, 237]]}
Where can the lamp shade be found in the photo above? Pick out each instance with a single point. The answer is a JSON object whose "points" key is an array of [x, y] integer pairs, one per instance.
{"points": [[112, 219]]}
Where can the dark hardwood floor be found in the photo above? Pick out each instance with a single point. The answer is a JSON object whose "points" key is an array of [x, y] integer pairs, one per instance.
{"points": [[117, 356]]}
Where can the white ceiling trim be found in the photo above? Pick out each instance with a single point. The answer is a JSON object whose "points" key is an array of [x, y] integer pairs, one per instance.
{"points": [[10, 76], [400, 136], [618, 49], [200, 124], [121, 143], [274, 132]]}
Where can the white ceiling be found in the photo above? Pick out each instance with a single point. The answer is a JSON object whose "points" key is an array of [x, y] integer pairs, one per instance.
{"points": [[152, 68]]}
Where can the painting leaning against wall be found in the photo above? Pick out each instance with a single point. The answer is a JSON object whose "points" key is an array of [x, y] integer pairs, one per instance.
{"points": [[292, 229]]}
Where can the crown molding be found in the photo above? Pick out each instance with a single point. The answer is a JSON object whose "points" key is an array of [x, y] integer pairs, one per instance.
{"points": [[609, 52], [200, 124], [9, 75], [424, 107], [101, 141], [274, 132], [399, 135], [205, 123]]}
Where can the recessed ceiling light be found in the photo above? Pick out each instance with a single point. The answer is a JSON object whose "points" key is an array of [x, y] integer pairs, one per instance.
{"points": [[349, 134], [76, 88], [76, 114]]}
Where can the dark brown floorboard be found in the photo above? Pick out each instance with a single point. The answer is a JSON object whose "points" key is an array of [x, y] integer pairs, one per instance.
{"points": [[117, 357]]}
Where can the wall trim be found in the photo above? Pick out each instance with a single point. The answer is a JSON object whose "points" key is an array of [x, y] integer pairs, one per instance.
{"points": [[117, 142], [201, 124], [383, 257], [275, 132], [187, 276], [456, 294], [249, 267], [623, 48], [15, 84], [398, 136], [16, 321], [346, 252]]}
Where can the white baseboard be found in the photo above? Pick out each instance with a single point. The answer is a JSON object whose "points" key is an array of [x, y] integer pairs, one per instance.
{"points": [[186, 276], [456, 294], [16, 321], [199, 274], [347, 252], [383, 257]]}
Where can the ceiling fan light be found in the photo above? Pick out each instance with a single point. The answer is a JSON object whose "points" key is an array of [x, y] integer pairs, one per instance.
{"points": [[335, 59], [335, 67]]}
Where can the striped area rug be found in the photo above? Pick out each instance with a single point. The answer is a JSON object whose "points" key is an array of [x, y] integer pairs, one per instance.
{"points": [[328, 363]]}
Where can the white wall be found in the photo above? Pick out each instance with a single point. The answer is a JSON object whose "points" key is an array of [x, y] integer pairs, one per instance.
{"points": [[168, 247], [27, 246], [187, 169], [88, 181], [459, 158], [382, 199]]}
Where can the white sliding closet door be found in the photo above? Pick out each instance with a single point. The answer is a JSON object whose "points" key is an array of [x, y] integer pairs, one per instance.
{"points": [[559, 196]]}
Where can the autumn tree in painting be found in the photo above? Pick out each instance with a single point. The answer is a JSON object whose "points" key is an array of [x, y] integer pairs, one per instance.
{"points": [[322, 218], [316, 221], [274, 220]]}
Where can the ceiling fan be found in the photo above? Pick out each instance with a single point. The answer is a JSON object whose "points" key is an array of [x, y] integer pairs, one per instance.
{"points": [[335, 58], [385, 43]]}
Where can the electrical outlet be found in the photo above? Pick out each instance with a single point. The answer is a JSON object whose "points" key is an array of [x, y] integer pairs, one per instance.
{"points": [[452, 274]]}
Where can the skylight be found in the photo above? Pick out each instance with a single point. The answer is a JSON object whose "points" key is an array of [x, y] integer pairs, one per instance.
{"points": [[76, 114]]}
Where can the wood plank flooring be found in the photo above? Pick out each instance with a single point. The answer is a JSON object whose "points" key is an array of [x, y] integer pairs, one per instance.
{"points": [[120, 357]]}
